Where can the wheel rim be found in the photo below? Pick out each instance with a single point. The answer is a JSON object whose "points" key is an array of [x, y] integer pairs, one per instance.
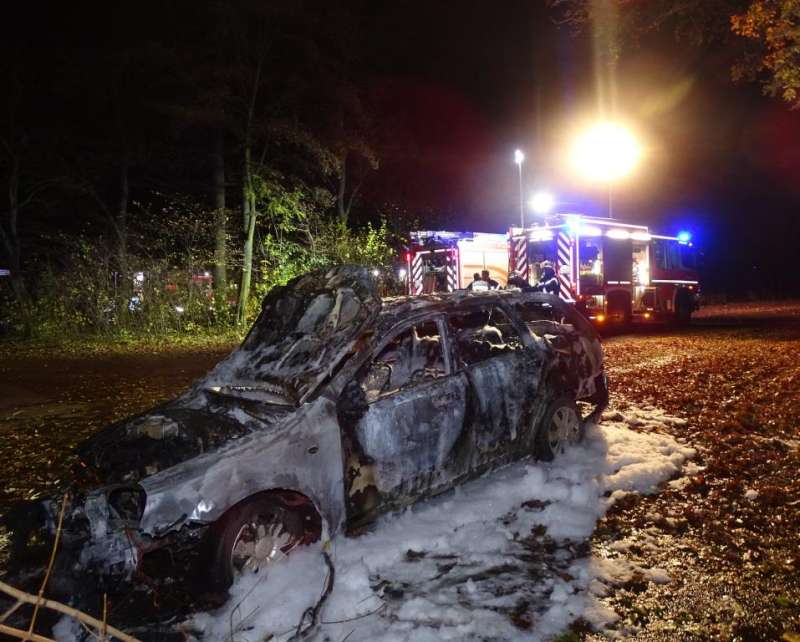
{"points": [[259, 543], [563, 430]]}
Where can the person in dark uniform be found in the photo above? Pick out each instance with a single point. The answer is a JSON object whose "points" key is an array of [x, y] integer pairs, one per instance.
{"points": [[548, 281], [516, 281]]}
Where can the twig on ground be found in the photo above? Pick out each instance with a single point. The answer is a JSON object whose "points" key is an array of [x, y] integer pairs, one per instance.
{"points": [[49, 565], [356, 617], [312, 612], [23, 635], [82, 617], [11, 611], [104, 632]]}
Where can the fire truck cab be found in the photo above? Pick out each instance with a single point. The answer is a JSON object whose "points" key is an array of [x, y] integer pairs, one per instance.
{"points": [[446, 261], [612, 271]]}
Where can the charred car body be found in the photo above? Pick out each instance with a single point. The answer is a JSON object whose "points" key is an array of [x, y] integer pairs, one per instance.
{"points": [[336, 407]]}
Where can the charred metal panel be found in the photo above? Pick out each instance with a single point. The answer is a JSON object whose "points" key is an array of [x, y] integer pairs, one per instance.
{"points": [[301, 454], [407, 435], [303, 331], [503, 388]]}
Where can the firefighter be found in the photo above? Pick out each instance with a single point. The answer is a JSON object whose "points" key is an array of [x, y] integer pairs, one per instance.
{"points": [[516, 281], [548, 281], [493, 285]]}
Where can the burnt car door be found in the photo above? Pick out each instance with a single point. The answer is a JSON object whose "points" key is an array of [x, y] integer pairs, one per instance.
{"points": [[401, 418], [503, 376]]}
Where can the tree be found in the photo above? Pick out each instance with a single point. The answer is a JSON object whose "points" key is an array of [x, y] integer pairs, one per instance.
{"points": [[774, 25]]}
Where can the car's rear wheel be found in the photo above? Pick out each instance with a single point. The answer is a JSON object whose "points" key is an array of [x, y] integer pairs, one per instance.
{"points": [[560, 428], [255, 534]]}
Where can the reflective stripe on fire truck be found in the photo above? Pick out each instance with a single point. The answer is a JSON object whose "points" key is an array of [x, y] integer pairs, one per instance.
{"points": [[452, 271], [563, 247], [521, 256], [416, 274]]}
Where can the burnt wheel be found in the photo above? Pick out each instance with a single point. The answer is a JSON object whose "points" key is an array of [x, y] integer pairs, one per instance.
{"points": [[560, 428], [254, 534]]}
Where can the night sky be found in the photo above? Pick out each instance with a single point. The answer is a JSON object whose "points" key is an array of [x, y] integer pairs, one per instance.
{"points": [[721, 159], [460, 85]]}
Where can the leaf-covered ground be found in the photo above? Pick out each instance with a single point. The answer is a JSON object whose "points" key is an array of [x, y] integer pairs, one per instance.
{"points": [[729, 535]]}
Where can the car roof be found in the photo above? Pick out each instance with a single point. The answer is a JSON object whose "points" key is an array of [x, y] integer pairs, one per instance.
{"points": [[395, 310]]}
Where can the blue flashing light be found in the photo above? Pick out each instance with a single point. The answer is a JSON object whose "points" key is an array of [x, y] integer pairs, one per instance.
{"points": [[684, 237], [573, 226]]}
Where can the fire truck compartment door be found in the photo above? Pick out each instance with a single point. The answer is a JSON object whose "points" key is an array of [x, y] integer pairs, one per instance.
{"points": [[618, 259], [478, 259]]}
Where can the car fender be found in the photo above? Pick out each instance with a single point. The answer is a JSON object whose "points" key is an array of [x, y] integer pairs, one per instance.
{"points": [[303, 455]]}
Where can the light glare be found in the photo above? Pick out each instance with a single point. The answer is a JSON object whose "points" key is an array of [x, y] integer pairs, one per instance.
{"points": [[519, 157], [605, 153], [542, 202]]}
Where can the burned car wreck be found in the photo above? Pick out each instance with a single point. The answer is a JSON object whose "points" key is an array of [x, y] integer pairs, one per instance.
{"points": [[337, 406]]}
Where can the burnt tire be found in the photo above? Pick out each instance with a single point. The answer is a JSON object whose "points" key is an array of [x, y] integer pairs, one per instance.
{"points": [[560, 428], [252, 535]]}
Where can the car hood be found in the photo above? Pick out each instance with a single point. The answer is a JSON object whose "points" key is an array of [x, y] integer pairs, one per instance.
{"points": [[143, 445]]}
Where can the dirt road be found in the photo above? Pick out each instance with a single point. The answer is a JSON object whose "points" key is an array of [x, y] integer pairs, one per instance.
{"points": [[728, 534]]}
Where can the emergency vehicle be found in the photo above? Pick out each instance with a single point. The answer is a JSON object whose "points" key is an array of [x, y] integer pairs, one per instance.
{"points": [[446, 261], [612, 271]]}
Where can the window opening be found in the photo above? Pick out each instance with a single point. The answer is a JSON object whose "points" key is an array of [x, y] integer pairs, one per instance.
{"points": [[483, 333], [411, 357]]}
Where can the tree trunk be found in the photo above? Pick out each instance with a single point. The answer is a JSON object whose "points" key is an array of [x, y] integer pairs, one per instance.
{"points": [[11, 246], [220, 219], [344, 212], [11, 237], [249, 214], [125, 278]]}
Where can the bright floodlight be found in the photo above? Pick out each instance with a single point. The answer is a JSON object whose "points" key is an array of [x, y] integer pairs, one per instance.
{"points": [[518, 156], [542, 202], [606, 152]]}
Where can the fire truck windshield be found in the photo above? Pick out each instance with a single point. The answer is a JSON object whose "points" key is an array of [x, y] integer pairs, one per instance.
{"points": [[591, 263]]}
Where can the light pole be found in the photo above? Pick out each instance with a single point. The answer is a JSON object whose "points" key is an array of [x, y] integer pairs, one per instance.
{"points": [[606, 153], [519, 158]]}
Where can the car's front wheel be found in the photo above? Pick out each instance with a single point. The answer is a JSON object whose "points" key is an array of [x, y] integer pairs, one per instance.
{"points": [[560, 428], [254, 534]]}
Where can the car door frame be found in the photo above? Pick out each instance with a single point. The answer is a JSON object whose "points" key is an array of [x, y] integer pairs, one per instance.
{"points": [[350, 446], [530, 352]]}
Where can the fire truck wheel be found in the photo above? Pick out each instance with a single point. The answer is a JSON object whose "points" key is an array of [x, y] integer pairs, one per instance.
{"points": [[560, 428]]}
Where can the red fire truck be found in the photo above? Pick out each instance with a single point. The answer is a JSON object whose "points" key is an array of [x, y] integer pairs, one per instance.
{"points": [[446, 261], [613, 271]]}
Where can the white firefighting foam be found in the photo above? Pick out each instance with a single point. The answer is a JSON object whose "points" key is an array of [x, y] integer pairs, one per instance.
{"points": [[473, 564]]}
